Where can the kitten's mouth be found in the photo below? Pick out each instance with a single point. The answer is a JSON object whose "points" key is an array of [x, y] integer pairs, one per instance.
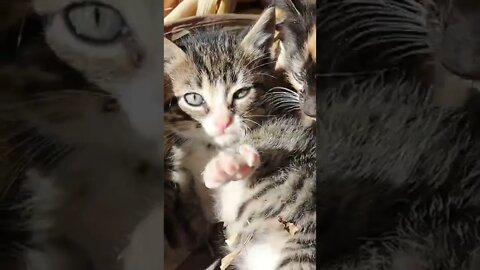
{"points": [[224, 139], [307, 120], [470, 79], [308, 106]]}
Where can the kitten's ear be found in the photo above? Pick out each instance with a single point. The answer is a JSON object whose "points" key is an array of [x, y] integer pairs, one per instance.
{"points": [[260, 37], [280, 15], [287, 8], [171, 51]]}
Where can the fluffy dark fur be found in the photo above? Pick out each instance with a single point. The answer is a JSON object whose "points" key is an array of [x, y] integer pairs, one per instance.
{"points": [[397, 181], [433, 41]]}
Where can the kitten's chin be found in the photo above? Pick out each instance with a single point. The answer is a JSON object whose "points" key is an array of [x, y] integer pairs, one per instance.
{"points": [[307, 121], [226, 139]]}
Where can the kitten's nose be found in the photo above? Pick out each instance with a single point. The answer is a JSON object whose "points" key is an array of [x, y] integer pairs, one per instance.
{"points": [[224, 123]]}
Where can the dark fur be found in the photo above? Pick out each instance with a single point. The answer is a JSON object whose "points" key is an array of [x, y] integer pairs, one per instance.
{"points": [[427, 40], [398, 180]]}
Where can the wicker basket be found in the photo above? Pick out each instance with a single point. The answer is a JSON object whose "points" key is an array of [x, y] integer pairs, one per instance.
{"points": [[179, 9], [182, 15]]}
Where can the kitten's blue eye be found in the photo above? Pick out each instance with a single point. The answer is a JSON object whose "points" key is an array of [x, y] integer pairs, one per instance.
{"points": [[194, 99], [94, 22], [241, 93]]}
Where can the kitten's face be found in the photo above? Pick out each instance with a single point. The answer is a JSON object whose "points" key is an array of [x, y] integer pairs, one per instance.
{"points": [[217, 77], [298, 49], [116, 45]]}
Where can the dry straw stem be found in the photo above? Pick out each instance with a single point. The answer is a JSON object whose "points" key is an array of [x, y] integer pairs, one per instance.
{"points": [[168, 6], [181, 27], [227, 6], [228, 260], [185, 9], [206, 7]]}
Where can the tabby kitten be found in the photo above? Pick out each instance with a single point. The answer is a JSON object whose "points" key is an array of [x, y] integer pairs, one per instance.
{"points": [[265, 195], [296, 22], [217, 78]]}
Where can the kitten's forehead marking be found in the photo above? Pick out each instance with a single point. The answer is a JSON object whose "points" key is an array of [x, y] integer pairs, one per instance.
{"points": [[220, 94], [215, 92]]}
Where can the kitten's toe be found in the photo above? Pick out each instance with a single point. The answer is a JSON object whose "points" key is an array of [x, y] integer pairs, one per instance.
{"points": [[244, 171], [228, 163], [250, 154], [214, 175], [229, 166]]}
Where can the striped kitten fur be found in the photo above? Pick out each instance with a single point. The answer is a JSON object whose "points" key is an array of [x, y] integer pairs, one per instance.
{"points": [[217, 78], [257, 210], [296, 21]]}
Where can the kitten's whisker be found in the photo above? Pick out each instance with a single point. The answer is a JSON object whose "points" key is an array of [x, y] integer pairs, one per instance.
{"points": [[82, 91], [281, 96], [27, 140], [57, 155], [257, 60], [267, 75], [264, 115], [251, 121], [262, 65], [288, 90], [27, 158], [292, 109], [46, 97], [17, 133]]}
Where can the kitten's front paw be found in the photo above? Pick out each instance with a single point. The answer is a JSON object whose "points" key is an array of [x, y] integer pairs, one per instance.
{"points": [[228, 166]]}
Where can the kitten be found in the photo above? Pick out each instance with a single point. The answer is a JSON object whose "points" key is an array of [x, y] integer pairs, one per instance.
{"points": [[269, 210], [296, 22], [217, 78]]}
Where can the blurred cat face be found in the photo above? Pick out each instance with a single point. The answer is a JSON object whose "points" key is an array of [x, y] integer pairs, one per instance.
{"points": [[70, 77], [116, 45]]}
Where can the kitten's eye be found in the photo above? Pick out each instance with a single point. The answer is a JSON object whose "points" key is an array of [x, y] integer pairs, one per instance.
{"points": [[241, 93], [194, 99], [94, 22]]}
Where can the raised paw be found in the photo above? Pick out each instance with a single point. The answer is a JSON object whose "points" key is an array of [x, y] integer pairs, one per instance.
{"points": [[228, 166]]}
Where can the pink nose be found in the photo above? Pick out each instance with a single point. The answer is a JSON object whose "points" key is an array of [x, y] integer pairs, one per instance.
{"points": [[224, 123]]}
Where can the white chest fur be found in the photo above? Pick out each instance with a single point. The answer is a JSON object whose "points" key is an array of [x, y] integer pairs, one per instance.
{"points": [[194, 156], [230, 198]]}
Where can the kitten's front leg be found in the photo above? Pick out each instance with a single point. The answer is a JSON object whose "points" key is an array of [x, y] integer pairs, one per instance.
{"points": [[230, 166]]}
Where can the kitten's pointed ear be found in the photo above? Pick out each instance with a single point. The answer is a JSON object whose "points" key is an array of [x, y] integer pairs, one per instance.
{"points": [[280, 15], [260, 37], [171, 51]]}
